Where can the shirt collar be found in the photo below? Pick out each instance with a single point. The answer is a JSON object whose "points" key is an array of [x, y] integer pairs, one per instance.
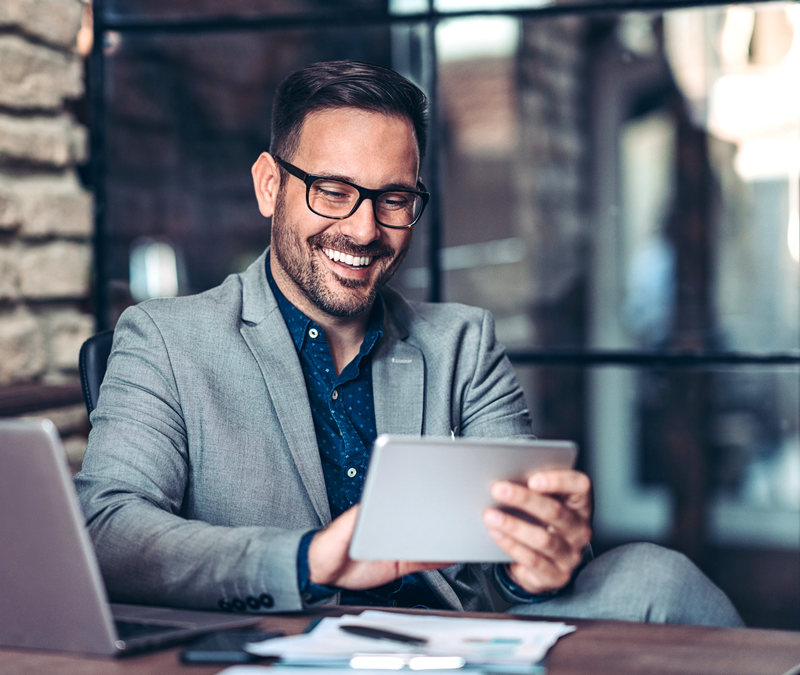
{"points": [[299, 324]]}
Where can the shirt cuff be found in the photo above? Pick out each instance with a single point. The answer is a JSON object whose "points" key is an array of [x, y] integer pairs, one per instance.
{"points": [[310, 592], [512, 592]]}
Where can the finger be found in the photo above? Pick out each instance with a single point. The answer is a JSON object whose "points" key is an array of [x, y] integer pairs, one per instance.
{"points": [[328, 554], [548, 541], [531, 570], [574, 486], [545, 509], [545, 540], [543, 556], [342, 527]]}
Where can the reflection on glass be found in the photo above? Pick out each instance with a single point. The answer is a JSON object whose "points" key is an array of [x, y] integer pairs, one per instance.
{"points": [[647, 148], [647, 162], [407, 6], [696, 456], [644, 167], [460, 5], [478, 37], [515, 145], [153, 270], [742, 88]]}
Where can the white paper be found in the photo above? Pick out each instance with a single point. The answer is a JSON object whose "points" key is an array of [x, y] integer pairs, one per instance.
{"points": [[277, 670], [478, 641], [251, 670]]}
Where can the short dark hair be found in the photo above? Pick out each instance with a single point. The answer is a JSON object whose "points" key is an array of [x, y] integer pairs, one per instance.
{"points": [[343, 84]]}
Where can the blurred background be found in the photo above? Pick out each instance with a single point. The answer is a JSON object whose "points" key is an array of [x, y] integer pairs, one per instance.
{"points": [[620, 188]]}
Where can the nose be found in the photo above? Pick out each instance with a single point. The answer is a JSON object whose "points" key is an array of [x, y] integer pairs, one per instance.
{"points": [[361, 227]]}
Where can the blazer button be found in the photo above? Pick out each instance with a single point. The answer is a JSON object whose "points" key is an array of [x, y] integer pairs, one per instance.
{"points": [[223, 604], [238, 605], [267, 600], [253, 603]]}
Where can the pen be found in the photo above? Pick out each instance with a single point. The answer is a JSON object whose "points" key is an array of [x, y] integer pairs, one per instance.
{"points": [[381, 634]]}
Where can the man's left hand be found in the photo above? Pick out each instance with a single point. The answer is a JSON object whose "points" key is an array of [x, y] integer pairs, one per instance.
{"points": [[547, 550]]}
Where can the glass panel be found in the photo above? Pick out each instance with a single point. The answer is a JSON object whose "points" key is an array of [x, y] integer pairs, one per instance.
{"points": [[203, 9], [453, 6], [446, 6], [627, 182], [706, 461], [187, 117], [466, 5], [660, 442]]}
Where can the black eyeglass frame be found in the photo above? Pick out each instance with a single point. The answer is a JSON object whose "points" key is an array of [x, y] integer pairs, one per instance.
{"points": [[363, 193]]}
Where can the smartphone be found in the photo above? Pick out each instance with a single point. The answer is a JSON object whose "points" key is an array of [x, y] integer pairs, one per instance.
{"points": [[225, 646]]}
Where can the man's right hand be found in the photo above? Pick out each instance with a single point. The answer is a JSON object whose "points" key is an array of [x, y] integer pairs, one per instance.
{"points": [[330, 564]]}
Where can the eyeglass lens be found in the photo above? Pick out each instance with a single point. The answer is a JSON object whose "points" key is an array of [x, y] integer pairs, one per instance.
{"points": [[333, 199]]}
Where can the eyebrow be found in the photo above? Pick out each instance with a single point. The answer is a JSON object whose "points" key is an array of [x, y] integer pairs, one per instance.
{"points": [[385, 188]]}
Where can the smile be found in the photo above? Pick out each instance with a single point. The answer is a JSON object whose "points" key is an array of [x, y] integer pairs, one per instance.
{"points": [[347, 259]]}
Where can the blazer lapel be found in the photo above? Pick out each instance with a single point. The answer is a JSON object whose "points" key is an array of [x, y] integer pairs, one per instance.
{"points": [[398, 382], [439, 585], [398, 385], [265, 332]]}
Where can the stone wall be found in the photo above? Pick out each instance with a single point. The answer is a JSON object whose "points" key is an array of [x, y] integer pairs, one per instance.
{"points": [[45, 214]]}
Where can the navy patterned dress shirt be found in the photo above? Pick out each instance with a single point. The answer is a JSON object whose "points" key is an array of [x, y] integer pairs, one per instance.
{"points": [[343, 411]]}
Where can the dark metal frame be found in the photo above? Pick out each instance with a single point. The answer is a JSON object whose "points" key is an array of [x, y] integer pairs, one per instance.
{"points": [[429, 19]]}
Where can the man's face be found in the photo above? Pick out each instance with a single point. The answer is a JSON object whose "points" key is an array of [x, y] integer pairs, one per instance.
{"points": [[369, 149]]}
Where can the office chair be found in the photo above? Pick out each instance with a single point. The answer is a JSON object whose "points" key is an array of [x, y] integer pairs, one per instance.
{"points": [[92, 363]]}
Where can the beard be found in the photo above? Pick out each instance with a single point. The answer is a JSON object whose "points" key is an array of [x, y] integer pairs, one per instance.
{"points": [[336, 296]]}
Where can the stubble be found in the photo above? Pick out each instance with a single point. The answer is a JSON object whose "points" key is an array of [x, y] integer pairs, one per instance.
{"points": [[336, 296]]}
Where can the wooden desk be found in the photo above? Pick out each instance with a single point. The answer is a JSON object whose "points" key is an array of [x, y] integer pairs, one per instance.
{"points": [[596, 648]]}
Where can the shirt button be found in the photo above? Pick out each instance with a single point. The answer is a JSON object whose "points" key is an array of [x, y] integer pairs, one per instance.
{"points": [[351, 472], [313, 333], [335, 395]]}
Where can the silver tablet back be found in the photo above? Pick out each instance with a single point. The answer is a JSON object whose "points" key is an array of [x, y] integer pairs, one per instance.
{"points": [[424, 498]]}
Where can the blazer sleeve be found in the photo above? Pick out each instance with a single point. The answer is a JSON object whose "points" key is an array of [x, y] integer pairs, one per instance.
{"points": [[492, 404], [132, 485]]}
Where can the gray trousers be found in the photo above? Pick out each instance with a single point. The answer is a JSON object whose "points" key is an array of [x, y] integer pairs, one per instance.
{"points": [[641, 582]]}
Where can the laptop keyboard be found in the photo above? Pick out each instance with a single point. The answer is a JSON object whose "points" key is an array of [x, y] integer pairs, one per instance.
{"points": [[127, 630]]}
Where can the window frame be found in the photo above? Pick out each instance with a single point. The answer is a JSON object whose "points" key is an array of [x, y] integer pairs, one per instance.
{"points": [[103, 24]]}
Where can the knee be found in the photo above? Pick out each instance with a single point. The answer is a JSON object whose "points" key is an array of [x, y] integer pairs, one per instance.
{"points": [[663, 586]]}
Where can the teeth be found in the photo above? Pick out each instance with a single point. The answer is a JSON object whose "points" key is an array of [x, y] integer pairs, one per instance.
{"points": [[353, 261]]}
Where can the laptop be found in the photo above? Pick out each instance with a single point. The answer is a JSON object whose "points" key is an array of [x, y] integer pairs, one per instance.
{"points": [[52, 593], [424, 498]]}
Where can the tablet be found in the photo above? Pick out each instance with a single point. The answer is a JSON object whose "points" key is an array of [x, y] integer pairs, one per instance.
{"points": [[424, 498]]}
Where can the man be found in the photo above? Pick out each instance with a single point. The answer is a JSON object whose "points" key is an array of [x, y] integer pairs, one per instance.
{"points": [[233, 428]]}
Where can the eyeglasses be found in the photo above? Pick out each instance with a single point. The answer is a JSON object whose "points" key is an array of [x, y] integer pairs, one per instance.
{"points": [[338, 199]]}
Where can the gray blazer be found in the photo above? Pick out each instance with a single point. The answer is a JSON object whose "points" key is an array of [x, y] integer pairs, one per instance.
{"points": [[202, 471]]}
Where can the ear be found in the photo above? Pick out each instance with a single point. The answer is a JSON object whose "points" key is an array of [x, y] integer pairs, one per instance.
{"points": [[266, 181]]}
